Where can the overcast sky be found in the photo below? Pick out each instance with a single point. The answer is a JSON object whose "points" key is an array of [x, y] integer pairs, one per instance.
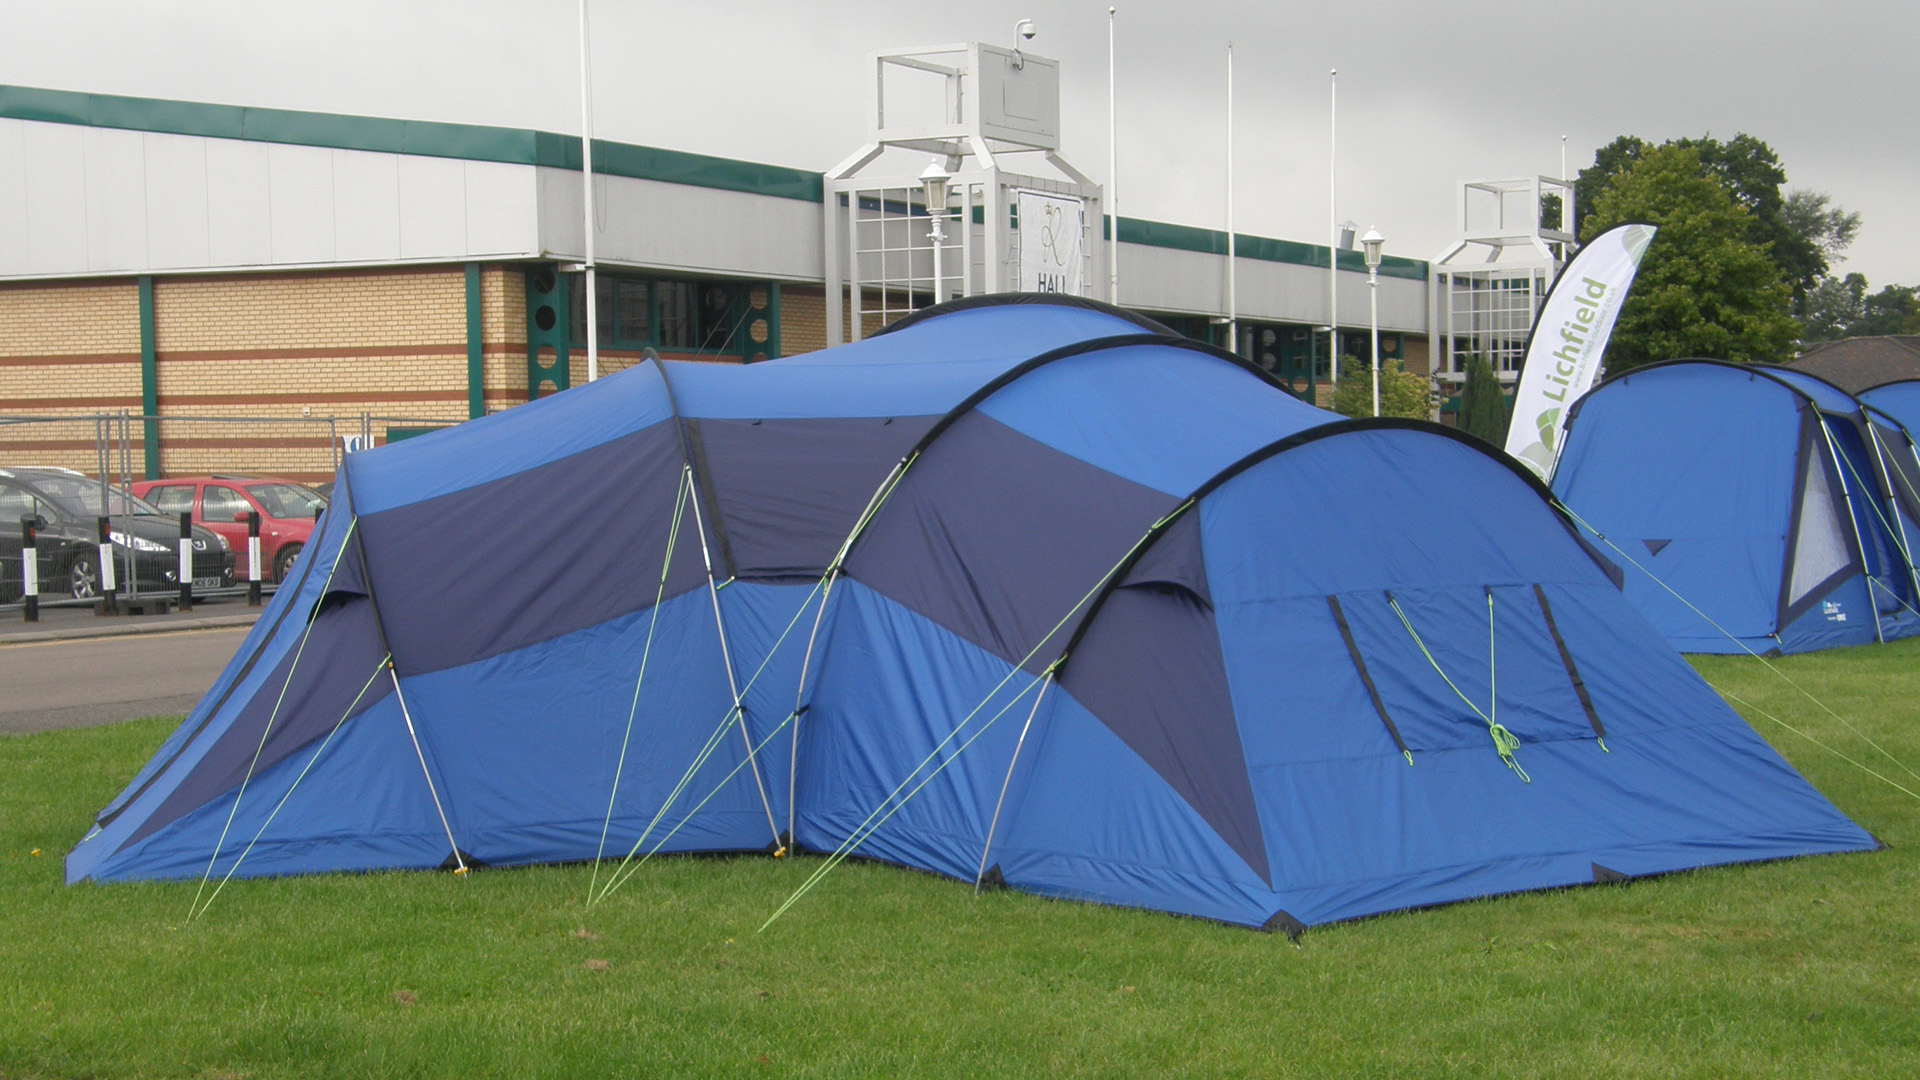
{"points": [[1430, 94]]}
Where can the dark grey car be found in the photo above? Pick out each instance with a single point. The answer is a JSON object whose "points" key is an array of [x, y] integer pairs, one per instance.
{"points": [[68, 506]]}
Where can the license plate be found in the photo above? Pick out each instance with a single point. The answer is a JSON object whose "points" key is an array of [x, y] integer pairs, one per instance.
{"points": [[206, 583]]}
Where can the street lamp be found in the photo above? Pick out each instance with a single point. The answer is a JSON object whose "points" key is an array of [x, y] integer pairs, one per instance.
{"points": [[1370, 244], [933, 185]]}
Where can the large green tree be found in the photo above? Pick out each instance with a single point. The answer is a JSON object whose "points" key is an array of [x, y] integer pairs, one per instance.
{"points": [[1705, 288], [1802, 231]]}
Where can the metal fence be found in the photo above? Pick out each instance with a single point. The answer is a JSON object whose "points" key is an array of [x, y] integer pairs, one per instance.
{"points": [[116, 450]]}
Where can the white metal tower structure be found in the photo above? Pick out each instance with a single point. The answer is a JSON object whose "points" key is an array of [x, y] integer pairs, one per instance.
{"points": [[990, 119], [1483, 290]]}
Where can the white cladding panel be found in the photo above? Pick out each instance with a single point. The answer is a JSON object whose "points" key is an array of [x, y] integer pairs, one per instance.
{"points": [[300, 192], [1195, 283], [79, 200], [177, 233], [679, 227], [239, 213], [116, 192], [56, 171], [13, 199], [366, 206]]}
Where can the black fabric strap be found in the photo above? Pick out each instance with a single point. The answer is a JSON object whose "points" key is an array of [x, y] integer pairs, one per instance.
{"points": [[1566, 660], [1360, 665]]}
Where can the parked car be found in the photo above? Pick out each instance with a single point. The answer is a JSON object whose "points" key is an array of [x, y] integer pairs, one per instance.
{"points": [[221, 503], [68, 506]]}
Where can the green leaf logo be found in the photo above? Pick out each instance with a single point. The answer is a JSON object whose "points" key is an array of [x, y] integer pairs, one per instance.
{"points": [[1546, 423]]}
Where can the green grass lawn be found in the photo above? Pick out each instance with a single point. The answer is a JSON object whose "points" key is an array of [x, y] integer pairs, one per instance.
{"points": [[1803, 968]]}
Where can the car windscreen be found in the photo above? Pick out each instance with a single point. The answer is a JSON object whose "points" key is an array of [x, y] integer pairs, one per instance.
{"points": [[80, 496], [287, 500]]}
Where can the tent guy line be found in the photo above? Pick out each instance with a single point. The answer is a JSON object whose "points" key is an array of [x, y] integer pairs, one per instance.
{"points": [[1771, 666], [646, 652]]}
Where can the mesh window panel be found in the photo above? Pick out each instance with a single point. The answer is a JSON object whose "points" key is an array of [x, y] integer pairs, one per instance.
{"points": [[1820, 547], [1899, 456]]}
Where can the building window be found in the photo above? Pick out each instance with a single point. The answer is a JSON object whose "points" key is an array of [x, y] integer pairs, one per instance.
{"points": [[712, 318]]}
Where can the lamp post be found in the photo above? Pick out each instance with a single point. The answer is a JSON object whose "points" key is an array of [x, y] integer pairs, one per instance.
{"points": [[1370, 244], [933, 185]]}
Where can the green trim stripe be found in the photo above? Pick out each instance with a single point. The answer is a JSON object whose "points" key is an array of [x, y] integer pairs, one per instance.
{"points": [[476, 357], [517, 146], [1163, 234], [466, 142], [149, 381]]}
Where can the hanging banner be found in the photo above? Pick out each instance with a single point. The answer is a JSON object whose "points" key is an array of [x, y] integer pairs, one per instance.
{"points": [[1051, 232], [1569, 339]]}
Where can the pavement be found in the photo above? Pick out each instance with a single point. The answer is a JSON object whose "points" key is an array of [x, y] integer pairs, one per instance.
{"points": [[77, 669]]}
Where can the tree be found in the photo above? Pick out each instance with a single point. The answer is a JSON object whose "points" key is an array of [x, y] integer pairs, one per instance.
{"points": [[1705, 287], [1802, 231], [1831, 230], [1833, 308], [1402, 393], [1483, 405], [1895, 309]]}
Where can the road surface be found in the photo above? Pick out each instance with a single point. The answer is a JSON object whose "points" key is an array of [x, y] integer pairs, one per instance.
{"points": [[80, 683]]}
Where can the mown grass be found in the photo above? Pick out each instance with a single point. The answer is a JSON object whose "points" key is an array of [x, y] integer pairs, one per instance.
{"points": [[1808, 967]]}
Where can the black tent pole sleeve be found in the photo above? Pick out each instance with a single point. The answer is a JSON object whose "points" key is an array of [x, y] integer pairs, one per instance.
{"points": [[1566, 661], [1366, 679]]}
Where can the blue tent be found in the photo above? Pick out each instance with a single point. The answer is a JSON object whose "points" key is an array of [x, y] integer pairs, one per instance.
{"points": [[1082, 608], [1899, 400], [1773, 502]]}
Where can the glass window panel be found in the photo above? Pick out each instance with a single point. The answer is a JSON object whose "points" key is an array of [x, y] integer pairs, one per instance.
{"points": [[632, 323], [677, 324], [221, 503]]}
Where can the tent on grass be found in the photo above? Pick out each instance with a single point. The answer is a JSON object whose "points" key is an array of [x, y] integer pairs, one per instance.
{"points": [[1082, 608], [1771, 501]]}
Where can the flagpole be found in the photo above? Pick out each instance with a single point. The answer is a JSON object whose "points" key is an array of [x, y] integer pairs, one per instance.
{"points": [[586, 185], [1333, 231], [1233, 307], [1113, 183]]}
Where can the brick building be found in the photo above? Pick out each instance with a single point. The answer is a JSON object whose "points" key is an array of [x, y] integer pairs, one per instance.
{"points": [[262, 284]]}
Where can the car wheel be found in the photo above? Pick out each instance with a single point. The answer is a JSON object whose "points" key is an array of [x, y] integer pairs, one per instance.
{"points": [[283, 562], [83, 576]]}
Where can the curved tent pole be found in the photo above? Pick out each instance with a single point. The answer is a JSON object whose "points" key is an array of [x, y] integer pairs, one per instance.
{"points": [[1886, 504], [953, 415], [1020, 299], [713, 593], [1853, 519]]}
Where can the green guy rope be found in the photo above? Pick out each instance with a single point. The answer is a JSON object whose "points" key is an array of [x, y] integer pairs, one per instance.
{"points": [[1504, 741]]}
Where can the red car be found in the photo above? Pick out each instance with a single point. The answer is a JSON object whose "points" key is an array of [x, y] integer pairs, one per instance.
{"points": [[221, 503]]}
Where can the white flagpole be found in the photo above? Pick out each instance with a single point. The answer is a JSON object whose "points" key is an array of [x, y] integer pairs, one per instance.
{"points": [[1333, 234], [1113, 183], [586, 185], [1233, 307]]}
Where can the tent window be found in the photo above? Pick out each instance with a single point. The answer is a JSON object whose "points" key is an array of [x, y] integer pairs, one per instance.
{"points": [[1820, 547], [1899, 456]]}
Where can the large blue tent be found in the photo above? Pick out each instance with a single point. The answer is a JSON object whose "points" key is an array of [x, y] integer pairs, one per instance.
{"points": [[1771, 511], [1082, 608]]}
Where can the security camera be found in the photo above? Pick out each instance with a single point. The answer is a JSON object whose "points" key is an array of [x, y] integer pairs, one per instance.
{"points": [[1025, 29]]}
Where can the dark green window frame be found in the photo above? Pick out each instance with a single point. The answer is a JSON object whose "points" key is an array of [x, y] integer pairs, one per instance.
{"points": [[722, 319]]}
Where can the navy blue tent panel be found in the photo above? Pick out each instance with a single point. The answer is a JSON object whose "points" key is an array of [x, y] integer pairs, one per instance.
{"points": [[1024, 591], [1768, 500]]}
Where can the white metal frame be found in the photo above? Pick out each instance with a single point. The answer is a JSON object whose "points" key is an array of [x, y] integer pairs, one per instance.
{"points": [[1485, 289], [1000, 106]]}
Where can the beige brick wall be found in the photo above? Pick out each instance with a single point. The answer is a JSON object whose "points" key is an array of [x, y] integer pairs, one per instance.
{"points": [[66, 349], [503, 320]]}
